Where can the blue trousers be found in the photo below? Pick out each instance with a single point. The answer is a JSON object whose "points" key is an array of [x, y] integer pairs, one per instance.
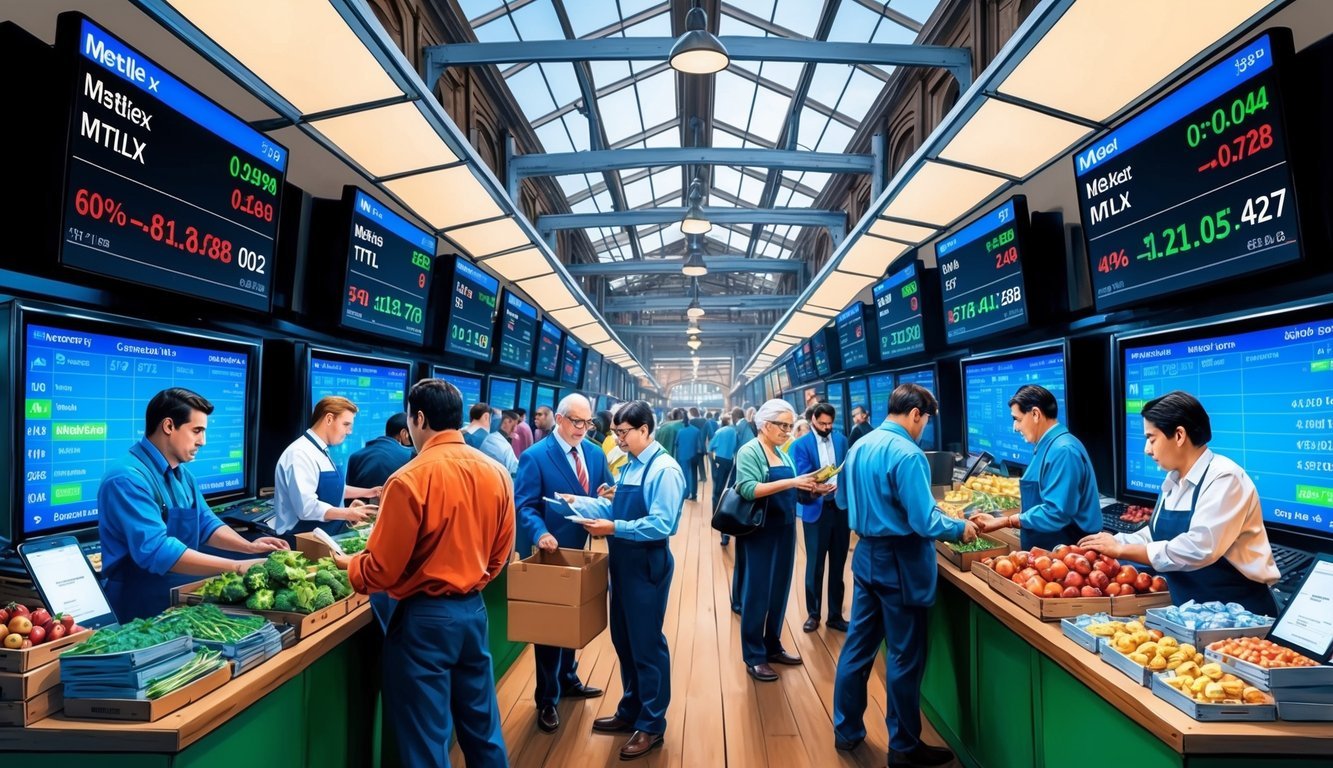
{"points": [[556, 671], [640, 583], [687, 466], [721, 470], [826, 538], [438, 680], [879, 615], [770, 555]]}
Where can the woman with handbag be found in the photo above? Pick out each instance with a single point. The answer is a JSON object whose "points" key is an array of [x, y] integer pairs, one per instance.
{"points": [[765, 558]]}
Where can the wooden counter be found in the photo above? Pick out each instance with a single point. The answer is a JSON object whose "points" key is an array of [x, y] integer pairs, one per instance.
{"points": [[191, 723]]}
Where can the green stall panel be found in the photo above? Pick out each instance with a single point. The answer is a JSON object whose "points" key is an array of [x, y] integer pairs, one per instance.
{"points": [[271, 720], [503, 652], [1005, 674], [1071, 717], [946, 689]]}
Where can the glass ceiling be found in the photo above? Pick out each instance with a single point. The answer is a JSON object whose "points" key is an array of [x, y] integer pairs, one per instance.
{"points": [[637, 104]]}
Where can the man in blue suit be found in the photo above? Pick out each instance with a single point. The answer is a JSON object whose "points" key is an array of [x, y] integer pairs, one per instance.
{"points": [[381, 457], [689, 446], [561, 462], [823, 521]]}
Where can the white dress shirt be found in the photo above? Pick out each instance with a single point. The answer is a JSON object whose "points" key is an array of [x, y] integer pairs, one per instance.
{"points": [[1228, 522], [295, 482], [498, 447], [565, 449]]}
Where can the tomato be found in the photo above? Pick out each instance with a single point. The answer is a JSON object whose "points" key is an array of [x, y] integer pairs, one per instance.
{"points": [[1143, 582], [1158, 584], [1113, 589], [1099, 580], [1126, 575], [1052, 589], [1059, 570], [40, 616], [57, 631], [1070, 592], [1090, 592], [1074, 579], [1081, 565], [4, 616], [18, 609], [68, 620]]}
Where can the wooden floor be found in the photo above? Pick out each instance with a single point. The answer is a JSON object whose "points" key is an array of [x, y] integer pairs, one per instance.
{"points": [[718, 715]]}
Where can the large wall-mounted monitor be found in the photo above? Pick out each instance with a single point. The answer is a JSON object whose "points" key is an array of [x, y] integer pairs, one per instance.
{"points": [[1267, 384], [472, 302], [858, 393], [502, 392], [836, 393], [819, 346], [1196, 188], [390, 264], [377, 386], [592, 372], [468, 384], [518, 334], [990, 381], [898, 320], [853, 348], [982, 290], [527, 389], [804, 355], [85, 380], [571, 362], [162, 186], [548, 351], [547, 396], [878, 388], [925, 377]]}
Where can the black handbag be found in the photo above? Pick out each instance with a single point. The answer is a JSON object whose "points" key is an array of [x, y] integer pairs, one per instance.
{"points": [[736, 515]]}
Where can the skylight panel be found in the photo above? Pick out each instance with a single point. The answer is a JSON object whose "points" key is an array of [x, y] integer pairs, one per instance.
{"points": [[588, 17], [564, 84], [574, 184], [529, 89], [498, 31], [620, 115], [733, 96], [638, 193], [800, 16], [769, 105], [860, 95], [784, 73], [473, 9], [654, 26], [670, 137], [729, 25], [537, 21], [836, 137], [554, 138], [605, 73], [761, 8], [657, 98]]}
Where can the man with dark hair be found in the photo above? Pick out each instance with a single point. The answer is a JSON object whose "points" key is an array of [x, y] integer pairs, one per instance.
{"points": [[381, 457], [479, 425], [823, 520], [744, 429], [446, 532], [522, 433], [689, 446], [860, 424], [543, 421], [153, 518], [886, 486], [697, 463], [1059, 500], [667, 431]]}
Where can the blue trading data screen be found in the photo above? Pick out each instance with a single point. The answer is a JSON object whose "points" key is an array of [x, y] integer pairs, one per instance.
{"points": [[858, 393], [548, 351], [988, 385], [926, 378], [1269, 397], [851, 324], [898, 313], [981, 275], [83, 408], [879, 387], [518, 334], [471, 311], [469, 386], [571, 362], [805, 362], [503, 393], [545, 396], [377, 388], [526, 389], [834, 393], [388, 272]]}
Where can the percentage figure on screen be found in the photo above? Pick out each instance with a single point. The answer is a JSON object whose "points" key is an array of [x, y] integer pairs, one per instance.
{"points": [[1113, 261], [94, 205]]}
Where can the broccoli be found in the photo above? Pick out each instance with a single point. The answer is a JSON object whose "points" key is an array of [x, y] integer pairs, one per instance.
{"points": [[261, 600], [212, 590], [233, 588], [305, 596], [284, 568], [285, 600], [323, 598], [256, 578], [326, 578]]}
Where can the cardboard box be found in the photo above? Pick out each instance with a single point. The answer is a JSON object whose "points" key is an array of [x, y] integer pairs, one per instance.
{"points": [[25, 713], [558, 598], [1044, 608], [305, 624], [146, 711], [310, 545], [21, 686]]}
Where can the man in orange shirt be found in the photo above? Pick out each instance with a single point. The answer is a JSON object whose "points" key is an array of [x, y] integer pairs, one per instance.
{"points": [[446, 528]]}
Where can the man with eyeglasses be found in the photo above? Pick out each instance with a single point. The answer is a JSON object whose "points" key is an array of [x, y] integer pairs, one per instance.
{"points": [[560, 463], [823, 521]]}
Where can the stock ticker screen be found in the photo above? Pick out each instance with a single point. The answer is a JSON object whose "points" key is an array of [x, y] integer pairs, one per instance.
{"points": [[163, 187], [83, 408], [548, 351], [898, 313], [377, 387], [471, 311], [925, 377], [988, 385], [518, 333], [981, 274], [851, 324], [1269, 396], [389, 267]]}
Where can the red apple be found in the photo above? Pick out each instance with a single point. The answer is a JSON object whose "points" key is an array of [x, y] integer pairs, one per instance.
{"points": [[1158, 584], [1143, 582], [1070, 592], [1126, 574], [1081, 565], [1099, 580], [1075, 549], [1074, 579], [1090, 592], [1060, 551], [37, 635]]}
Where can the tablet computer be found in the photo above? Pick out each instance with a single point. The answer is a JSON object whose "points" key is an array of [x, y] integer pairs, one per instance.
{"points": [[1306, 624], [66, 581]]}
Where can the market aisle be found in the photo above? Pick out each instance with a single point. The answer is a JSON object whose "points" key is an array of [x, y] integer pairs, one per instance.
{"points": [[718, 715]]}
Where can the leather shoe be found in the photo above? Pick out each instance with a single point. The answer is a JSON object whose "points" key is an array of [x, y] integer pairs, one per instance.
{"points": [[847, 746], [548, 720], [924, 756], [580, 691], [762, 672], [811, 624], [640, 744], [838, 623], [611, 724], [782, 657]]}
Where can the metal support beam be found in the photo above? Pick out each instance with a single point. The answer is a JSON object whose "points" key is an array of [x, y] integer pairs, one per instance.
{"points": [[739, 48], [716, 264], [880, 149], [741, 303], [711, 331], [803, 216], [564, 163]]}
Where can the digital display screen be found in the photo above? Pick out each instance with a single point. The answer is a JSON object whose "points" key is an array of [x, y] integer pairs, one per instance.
{"points": [[389, 265], [162, 186], [377, 387], [526, 389], [1268, 391], [471, 311], [468, 384], [1196, 188], [805, 362], [571, 362], [83, 408], [988, 385], [981, 275], [819, 355], [592, 372], [786, 373], [898, 313], [834, 393], [851, 324], [545, 396], [858, 393], [926, 378], [879, 387], [518, 334], [502, 393], [548, 351]]}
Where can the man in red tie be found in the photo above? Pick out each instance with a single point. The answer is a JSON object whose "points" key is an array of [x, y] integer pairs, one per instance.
{"points": [[562, 462]]}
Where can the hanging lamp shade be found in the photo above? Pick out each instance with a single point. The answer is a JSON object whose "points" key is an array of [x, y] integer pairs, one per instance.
{"points": [[698, 51]]}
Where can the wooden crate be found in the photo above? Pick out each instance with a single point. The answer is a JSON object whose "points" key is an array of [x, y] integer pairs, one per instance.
{"points": [[25, 713], [21, 686], [963, 560], [305, 624], [1044, 608], [1137, 605], [28, 659], [145, 711]]}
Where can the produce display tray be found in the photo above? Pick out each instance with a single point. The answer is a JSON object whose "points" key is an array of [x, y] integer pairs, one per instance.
{"points": [[129, 660], [1138, 605], [1083, 638], [305, 624], [963, 560], [1273, 680], [1322, 713], [1251, 673], [28, 659], [1044, 608], [25, 713], [1210, 713], [1136, 672], [146, 711], [21, 686], [1198, 637]]}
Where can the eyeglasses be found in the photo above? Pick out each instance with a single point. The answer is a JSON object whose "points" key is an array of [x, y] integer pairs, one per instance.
{"points": [[782, 426], [578, 423], [622, 432]]}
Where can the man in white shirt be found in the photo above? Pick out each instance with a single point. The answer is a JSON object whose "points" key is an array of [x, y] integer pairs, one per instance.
{"points": [[498, 445], [478, 426], [308, 488]]}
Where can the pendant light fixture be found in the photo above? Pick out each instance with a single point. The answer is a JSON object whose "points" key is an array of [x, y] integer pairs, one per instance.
{"points": [[698, 51]]}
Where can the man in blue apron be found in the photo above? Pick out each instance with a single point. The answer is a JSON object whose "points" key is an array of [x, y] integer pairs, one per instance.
{"points": [[1058, 491], [886, 486], [152, 519], [639, 522], [308, 487], [1207, 532]]}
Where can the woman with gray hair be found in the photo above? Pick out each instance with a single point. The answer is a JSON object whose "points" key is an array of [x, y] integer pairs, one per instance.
{"points": [[767, 476]]}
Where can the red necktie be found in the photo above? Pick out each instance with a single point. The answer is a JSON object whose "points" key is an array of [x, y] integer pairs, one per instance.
{"points": [[579, 470]]}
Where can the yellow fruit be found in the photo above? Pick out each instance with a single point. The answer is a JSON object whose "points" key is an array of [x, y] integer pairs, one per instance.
{"points": [[1214, 691], [1188, 649], [1133, 626], [1139, 659], [1198, 658], [1197, 684], [1158, 663], [1168, 642], [1252, 695], [1101, 630], [1212, 671], [1148, 649], [1125, 644], [1176, 682], [1187, 669], [1233, 688]]}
